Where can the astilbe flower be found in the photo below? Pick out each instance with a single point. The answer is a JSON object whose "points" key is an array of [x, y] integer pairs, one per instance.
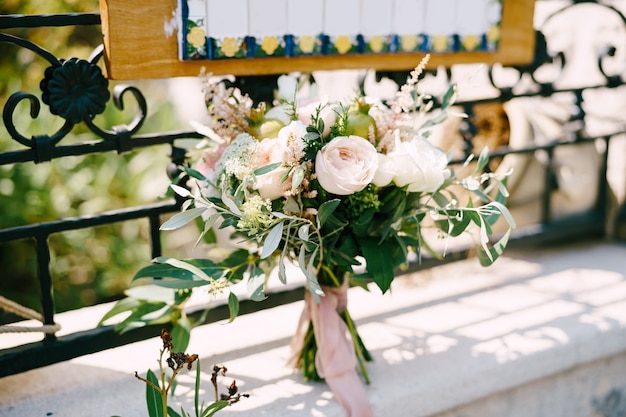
{"points": [[228, 109]]}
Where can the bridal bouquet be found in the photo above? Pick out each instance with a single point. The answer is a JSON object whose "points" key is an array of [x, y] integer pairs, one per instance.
{"points": [[344, 191]]}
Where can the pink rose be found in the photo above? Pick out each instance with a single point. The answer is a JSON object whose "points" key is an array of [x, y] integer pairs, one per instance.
{"points": [[270, 151]]}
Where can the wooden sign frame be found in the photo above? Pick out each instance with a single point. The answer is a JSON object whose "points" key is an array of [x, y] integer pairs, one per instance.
{"points": [[140, 40]]}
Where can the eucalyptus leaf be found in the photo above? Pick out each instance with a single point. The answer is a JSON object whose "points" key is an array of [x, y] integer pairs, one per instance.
{"points": [[159, 316], [181, 191], [296, 180], [483, 234], [177, 284], [481, 194], [459, 224], [280, 215], [314, 286], [309, 273], [440, 199], [194, 173], [303, 232], [181, 333], [434, 121], [267, 168], [291, 205], [505, 212], [282, 273], [489, 256], [302, 259], [272, 241], [256, 285], [128, 325], [502, 190], [185, 266], [166, 270], [473, 216], [208, 224], [470, 183], [233, 306], [449, 97], [182, 218], [231, 205], [151, 293], [311, 136], [122, 306], [483, 159]]}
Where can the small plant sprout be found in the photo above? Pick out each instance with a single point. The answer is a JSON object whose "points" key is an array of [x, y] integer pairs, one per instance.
{"points": [[157, 389]]}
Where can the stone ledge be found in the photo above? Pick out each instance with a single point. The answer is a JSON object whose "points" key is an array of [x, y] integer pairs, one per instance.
{"points": [[456, 337]]}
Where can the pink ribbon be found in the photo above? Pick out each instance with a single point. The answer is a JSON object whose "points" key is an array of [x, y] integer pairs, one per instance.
{"points": [[335, 359]]}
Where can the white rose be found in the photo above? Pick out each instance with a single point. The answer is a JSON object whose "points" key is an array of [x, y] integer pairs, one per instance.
{"points": [[386, 171], [346, 164], [327, 114], [270, 151], [293, 132], [419, 164], [278, 113], [287, 87]]}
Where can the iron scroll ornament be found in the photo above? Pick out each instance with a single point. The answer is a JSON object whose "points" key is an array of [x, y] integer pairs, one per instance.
{"points": [[77, 91]]}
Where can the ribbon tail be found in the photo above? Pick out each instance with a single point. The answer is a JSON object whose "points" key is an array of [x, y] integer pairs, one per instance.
{"points": [[336, 361], [350, 393]]}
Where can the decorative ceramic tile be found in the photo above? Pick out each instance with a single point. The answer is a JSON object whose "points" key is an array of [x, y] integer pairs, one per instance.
{"points": [[494, 15], [471, 21], [227, 27], [340, 29], [195, 42], [215, 29], [305, 24], [267, 27], [375, 26], [408, 22], [440, 24]]}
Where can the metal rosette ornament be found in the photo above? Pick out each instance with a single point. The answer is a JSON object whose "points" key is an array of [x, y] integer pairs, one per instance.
{"points": [[76, 90]]}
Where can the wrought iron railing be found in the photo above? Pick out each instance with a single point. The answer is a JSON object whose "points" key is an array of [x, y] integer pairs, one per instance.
{"points": [[543, 79]]}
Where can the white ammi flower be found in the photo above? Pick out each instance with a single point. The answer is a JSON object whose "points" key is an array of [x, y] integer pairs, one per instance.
{"points": [[346, 164]]}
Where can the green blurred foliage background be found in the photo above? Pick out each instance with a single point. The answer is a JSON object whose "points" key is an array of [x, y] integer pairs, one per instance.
{"points": [[93, 265]]}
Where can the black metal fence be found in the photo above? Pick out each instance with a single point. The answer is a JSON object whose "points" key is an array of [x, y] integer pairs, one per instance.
{"points": [[539, 84]]}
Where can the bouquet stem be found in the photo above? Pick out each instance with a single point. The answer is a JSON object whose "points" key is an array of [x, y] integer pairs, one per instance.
{"points": [[362, 354], [307, 355]]}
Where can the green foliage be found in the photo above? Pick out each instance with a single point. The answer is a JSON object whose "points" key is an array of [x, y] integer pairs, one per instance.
{"points": [[93, 265]]}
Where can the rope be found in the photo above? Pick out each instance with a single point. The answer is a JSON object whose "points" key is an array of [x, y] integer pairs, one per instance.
{"points": [[26, 313]]}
